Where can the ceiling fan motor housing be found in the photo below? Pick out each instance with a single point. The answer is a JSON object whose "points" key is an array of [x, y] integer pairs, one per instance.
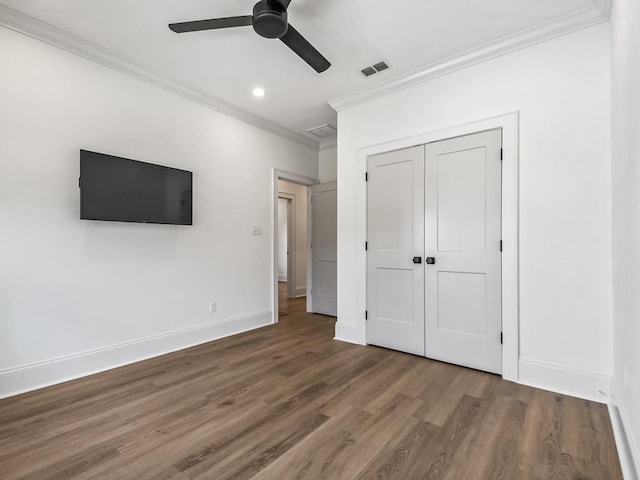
{"points": [[269, 20]]}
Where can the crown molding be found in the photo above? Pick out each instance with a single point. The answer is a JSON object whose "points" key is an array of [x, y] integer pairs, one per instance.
{"points": [[604, 6], [330, 142], [572, 22], [57, 37]]}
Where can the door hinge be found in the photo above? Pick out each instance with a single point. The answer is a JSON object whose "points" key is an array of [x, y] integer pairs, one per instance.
{"points": [[501, 152], [366, 245], [79, 184], [500, 245], [501, 338], [366, 314], [366, 176]]}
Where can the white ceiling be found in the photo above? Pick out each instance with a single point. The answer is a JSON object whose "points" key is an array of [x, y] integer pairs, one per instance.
{"points": [[352, 34]]}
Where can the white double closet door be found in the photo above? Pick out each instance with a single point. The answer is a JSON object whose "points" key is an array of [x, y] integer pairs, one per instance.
{"points": [[434, 250]]}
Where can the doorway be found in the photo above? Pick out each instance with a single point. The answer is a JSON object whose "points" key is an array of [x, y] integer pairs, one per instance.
{"points": [[434, 250], [311, 239], [291, 240], [290, 199], [286, 243]]}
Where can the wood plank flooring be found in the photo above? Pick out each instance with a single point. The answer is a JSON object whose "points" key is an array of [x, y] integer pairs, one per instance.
{"points": [[288, 402]]}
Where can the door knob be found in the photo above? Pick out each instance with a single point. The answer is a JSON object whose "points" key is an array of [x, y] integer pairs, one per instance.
{"points": [[431, 260], [417, 259]]}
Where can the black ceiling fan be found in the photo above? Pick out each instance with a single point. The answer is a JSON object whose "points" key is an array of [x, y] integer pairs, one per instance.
{"points": [[269, 20]]}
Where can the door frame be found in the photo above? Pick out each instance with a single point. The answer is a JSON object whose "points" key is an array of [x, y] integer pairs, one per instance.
{"points": [[291, 242], [276, 175], [509, 123]]}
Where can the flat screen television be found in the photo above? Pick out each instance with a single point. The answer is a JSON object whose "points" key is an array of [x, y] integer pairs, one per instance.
{"points": [[121, 190]]}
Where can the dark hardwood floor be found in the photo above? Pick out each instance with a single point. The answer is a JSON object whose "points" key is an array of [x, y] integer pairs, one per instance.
{"points": [[293, 306], [288, 402]]}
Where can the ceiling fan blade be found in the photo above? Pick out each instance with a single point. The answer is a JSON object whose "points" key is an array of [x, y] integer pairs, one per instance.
{"points": [[283, 3], [212, 24], [305, 50]]}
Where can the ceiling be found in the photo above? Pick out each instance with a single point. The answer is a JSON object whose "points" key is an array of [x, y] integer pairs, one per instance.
{"points": [[227, 64]]}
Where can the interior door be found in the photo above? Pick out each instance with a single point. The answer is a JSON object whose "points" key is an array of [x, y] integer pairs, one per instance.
{"points": [[395, 249], [463, 268], [324, 248]]}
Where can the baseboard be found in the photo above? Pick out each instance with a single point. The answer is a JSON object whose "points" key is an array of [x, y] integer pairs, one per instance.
{"points": [[282, 277], [301, 291], [558, 379], [624, 445], [15, 381], [627, 443], [347, 333]]}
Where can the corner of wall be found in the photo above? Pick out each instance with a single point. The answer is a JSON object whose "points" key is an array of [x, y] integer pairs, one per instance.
{"points": [[604, 6], [626, 443], [563, 380], [328, 161], [346, 332]]}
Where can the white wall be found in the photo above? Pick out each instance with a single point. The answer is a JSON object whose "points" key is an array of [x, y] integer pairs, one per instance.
{"points": [[299, 250], [328, 163], [561, 89], [626, 213], [69, 286]]}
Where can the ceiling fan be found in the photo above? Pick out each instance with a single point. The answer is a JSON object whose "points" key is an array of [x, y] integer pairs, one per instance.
{"points": [[269, 20]]}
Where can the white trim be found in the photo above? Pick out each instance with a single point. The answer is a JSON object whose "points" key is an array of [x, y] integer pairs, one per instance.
{"points": [[326, 144], [32, 27], [347, 332], [571, 22], [289, 177], [301, 291], [623, 445], [510, 277], [555, 378], [628, 445], [604, 6], [282, 277], [25, 378], [309, 302], [293, 178]]}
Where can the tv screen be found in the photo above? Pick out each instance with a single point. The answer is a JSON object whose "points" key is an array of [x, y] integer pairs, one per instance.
{"points": [[121, 190]]}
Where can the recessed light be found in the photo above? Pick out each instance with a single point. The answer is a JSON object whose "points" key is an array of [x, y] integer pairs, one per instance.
{"points": [[259, 92]]}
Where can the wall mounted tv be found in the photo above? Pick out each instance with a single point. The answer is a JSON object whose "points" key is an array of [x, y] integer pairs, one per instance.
{"points": [[121, 190]]}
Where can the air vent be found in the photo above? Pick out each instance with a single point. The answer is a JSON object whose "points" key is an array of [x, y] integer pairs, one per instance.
{"points": [[323, 131], [377, 68], [369, 71], [380, 66]]}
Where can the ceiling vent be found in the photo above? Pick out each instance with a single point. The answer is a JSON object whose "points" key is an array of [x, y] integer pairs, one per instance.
{"points": [[323, 131], [377, 68], [367, 72]]}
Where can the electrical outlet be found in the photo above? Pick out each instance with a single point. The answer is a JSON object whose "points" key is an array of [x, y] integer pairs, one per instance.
{"points": [[213, 307]]}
